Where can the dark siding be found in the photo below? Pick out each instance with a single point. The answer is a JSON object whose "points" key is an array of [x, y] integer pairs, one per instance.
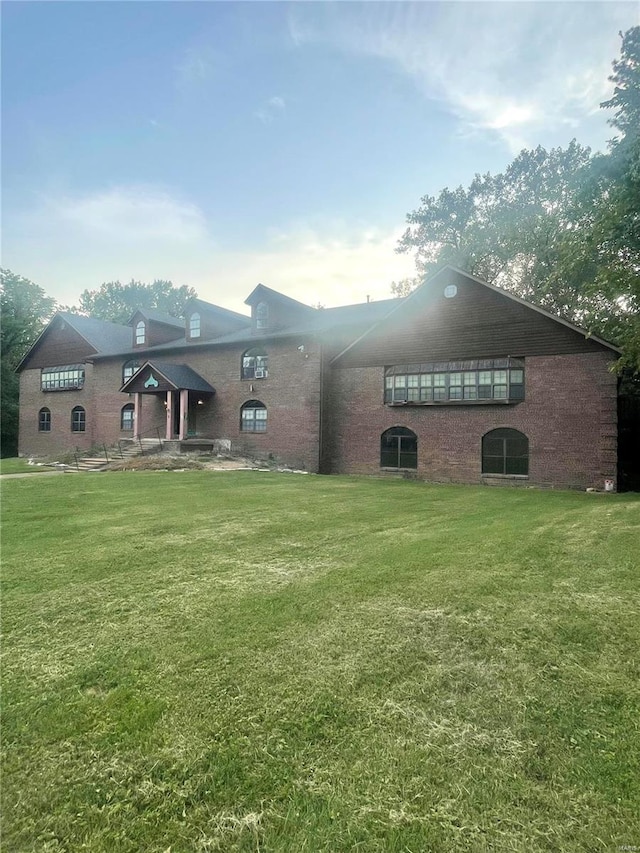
{"points": [[60, 344], [476, 323], [214, 325]]}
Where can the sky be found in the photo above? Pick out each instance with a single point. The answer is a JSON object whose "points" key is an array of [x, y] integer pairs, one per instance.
{"points": [[223, 144]]}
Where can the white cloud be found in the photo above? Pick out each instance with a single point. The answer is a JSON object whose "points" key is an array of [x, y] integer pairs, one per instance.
{"points": [[68, 245], [128, 214], [521, 71], [271, 109]]}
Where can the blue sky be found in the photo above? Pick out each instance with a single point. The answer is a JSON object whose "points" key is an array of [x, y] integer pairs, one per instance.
{"points": [[224, 144]]}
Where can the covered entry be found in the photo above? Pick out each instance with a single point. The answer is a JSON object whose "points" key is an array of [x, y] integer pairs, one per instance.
{"points": [[181, 389]]}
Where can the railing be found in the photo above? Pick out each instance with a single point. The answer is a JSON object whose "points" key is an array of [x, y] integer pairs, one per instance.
{"points": [[141, 435]]}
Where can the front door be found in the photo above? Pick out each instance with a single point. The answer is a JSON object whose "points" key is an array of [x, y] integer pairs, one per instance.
{"points": [[191, 417], [176, 412]]}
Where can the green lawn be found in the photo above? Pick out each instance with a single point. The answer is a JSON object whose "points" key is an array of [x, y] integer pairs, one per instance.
{"points": [[207, 661], [18, 465]]}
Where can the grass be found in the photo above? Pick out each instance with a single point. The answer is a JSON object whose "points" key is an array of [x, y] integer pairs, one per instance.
{"points": [[209, 661], [18, 465]]}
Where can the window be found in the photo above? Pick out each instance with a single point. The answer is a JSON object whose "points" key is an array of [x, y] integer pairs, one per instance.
{"points": [[78, 419], [254, 364], [44, 420], [128, 369], [262, 315], [253, 417], [126, 417], [398, 448], [194, 326], [68, 377], [141, 333], [505, 451], [455, 381]]}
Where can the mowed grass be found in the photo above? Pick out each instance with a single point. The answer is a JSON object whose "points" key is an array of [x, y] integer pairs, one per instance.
{"points": [[244, 661], [18, 465]]}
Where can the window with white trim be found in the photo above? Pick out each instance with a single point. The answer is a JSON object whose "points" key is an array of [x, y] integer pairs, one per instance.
{"points": [[253, 417], [141, 332], [126, 417], [478, 381], [254, 364], [68, 377], [262, 315], [194, 326], [129, 368]]}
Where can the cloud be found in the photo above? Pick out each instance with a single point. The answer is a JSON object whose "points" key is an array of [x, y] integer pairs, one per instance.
{"points": [[271, 109], [127, 214], [518, 71], [69, 244]]}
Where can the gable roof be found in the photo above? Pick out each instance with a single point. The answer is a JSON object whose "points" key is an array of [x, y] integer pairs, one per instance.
{"points": [[210, 308], [427, 289], [181, 376], [262, 292], [102, 336], [158, 317]]}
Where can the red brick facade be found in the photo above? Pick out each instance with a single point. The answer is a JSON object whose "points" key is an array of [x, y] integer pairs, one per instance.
{"points": [[568, 415], [328, 414]]}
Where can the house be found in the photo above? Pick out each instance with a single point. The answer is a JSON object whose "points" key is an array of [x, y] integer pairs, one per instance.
{"points": [[458, 382]]}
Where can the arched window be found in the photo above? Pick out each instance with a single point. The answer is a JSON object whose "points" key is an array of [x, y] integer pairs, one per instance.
{"points": [[128, 369], [398, 448], [254, 364], [505, 451], [44, 420], [262, 315], [141, 332], [126, 417], [78, 419], [253, 417], [194, 326]]}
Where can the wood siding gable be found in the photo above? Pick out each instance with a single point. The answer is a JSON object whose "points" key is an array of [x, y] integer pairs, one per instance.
{"points": [[59, 344], [478, 322]]}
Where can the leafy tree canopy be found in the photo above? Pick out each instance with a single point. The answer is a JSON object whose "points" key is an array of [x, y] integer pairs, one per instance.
{"points": [[24, 310], [116, 302], [559, 228]]}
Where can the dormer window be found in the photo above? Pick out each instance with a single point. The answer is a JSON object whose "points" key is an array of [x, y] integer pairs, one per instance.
{"points": [[194, 326], [141, 333], [262, 315]]}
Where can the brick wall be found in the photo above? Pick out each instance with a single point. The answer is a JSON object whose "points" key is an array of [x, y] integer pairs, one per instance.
{"points": [[60, 403], [569, 416], [291, 393]]}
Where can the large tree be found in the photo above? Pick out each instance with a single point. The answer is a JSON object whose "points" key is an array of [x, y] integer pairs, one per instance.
{"points": [[116, 302], [24, 310], [559, 228]]}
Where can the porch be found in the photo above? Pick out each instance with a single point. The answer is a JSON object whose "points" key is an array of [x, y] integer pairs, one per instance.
{"points": [[183, 393]]}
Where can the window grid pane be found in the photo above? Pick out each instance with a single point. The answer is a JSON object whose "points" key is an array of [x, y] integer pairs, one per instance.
{"points": [[455, 381]]}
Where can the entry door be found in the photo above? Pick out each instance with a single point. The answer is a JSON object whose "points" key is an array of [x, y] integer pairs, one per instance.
{"points": [[191, 417], [176, 412]]}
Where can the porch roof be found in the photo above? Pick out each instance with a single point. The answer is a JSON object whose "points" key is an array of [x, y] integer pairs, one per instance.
{"points": [[166, 376]]}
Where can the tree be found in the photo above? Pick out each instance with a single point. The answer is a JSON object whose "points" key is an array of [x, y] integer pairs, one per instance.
{"points": [[559, 228], [24, 311], [116, 302]]}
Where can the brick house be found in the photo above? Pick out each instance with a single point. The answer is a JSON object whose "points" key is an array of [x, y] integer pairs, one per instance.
{"points": [[458, 382]]}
